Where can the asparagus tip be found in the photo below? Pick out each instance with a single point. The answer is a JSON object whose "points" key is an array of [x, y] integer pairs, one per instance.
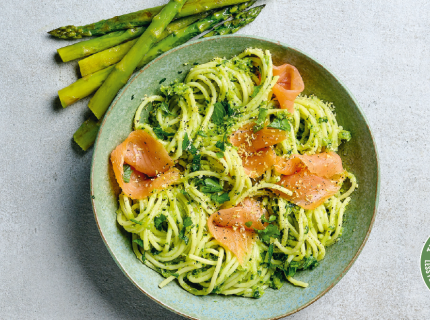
{"points": [[68, 32], [240, 20]]}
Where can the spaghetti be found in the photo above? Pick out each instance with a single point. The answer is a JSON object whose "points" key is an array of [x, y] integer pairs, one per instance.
{"points": [[193, 121]]}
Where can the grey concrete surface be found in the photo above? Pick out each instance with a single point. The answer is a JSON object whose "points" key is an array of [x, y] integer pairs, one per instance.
{"points": [[53, 263]]}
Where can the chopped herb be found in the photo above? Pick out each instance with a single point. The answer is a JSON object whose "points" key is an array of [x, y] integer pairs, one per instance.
{"points": [[193, 149], [161, 134], [271, 219], [139, 242], [256, 91], [280, 256], [310, 263], [165, 108], [93, 197], [155, 251], [229, 109], [137, 222], [322, 120], [292, 269], [143, 257], [184, 192], [182, 235], [199, 182], [220, 199], [162, 80], [271, 231], [132, 96], [248, 224], [282, 124], [262, 114], [277, 279], [127, 173], [195, 63], [175, 274], [147, 115], [158, 222], [201, 133], [186, 142], [218, 114], [211, 186], [187, 145], [179, 72], [188, 222], [270, 254], [220, 145], [195, 165]]}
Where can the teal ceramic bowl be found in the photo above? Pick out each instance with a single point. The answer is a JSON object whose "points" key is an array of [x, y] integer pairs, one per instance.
{"points": [[359, 156]]}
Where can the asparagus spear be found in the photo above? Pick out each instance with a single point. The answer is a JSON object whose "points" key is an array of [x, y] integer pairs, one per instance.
{"points": [[104, 58], [88, 47], [183, 35], [111, 56], [91, 82], [87, 133], [232, 26], [136, 19], [86, 138], [83, 87]]}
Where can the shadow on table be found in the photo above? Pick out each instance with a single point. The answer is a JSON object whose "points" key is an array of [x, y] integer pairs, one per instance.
{"points": [[88, 249]]}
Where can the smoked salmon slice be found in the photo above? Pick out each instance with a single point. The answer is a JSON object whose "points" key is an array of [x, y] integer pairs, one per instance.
{"points": [[322, 164], [309, 190], [248, 141], [228, 227], [236, 217], [146, 157], [141, 186], [256, 163], [146, 154], [288, 166], [288, 86], [312, 178]]}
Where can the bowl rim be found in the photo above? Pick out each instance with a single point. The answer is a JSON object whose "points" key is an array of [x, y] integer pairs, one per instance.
{"points": [[196, 42]]}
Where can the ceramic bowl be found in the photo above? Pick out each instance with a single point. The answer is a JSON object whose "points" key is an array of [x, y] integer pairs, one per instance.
{"points": [[359, 156]]}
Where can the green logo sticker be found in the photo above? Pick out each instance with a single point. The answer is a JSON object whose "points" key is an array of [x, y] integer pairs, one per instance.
{"points": [[425, 263]]}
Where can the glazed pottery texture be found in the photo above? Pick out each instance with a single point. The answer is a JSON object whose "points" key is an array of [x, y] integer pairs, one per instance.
{"points": [[359, 156]]}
